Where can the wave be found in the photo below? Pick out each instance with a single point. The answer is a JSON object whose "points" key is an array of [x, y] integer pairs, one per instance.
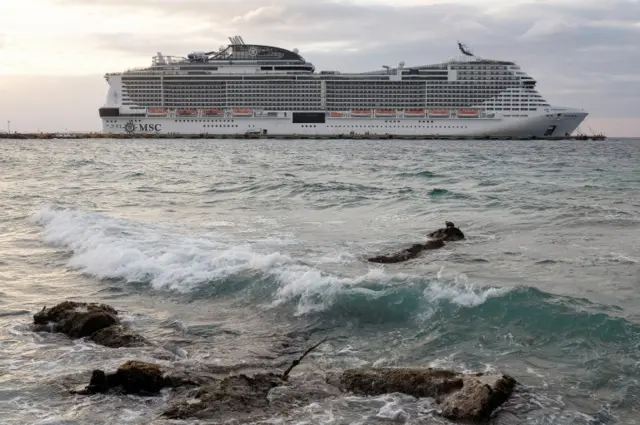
{"points": [[207, 265], [421, 174], [109, 248], [256, 272], [444, 193]]}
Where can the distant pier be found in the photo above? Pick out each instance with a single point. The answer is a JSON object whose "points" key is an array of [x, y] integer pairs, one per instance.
{"points": [[276, 136]]}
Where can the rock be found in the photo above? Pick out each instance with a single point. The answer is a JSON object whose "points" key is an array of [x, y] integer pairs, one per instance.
{"points": [[412, 381], [478, 397], [99, 322], [118, 336], [98, 383], [407, 254], [461, 396], [140, 378], [450, 233], [132, 377], [440, 236], [74, 319], [235, 396]]}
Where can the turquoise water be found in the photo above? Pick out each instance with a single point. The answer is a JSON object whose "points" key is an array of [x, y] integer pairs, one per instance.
{"points": [[222, 250]]}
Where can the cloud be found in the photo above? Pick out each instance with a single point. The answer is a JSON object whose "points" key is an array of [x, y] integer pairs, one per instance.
{"points": [[582, 52], [262, 15], [548, 28]]}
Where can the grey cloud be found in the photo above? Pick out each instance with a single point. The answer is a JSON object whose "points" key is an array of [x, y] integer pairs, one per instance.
{"points": [[581, 52]]}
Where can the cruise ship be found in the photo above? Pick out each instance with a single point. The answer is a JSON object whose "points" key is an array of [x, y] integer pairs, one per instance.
{"points": [[257, 89]]}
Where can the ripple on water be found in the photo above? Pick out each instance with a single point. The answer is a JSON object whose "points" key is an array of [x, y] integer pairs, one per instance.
{"points": [[217, 250]]}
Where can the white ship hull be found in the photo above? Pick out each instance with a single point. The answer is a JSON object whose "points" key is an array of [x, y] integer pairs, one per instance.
{"points": [[235, 90], [556, 123]]}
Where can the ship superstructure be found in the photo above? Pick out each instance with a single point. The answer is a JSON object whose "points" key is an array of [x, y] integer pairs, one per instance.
{"points": [[244, 88]]}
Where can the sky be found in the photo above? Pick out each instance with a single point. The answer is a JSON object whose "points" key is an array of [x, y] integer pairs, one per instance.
{"points": [[583, 53]]}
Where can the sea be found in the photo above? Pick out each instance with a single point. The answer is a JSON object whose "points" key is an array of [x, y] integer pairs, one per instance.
{"points": [[224, 251]]}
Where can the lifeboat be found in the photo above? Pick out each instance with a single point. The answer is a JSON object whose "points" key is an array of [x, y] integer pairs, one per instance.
{"points": [[361, 112], [157, 112], [242, 112], [468, 113], [385, 113], [212, 112], [187, 112], [414, 113], [336, 114], [439, 113]]}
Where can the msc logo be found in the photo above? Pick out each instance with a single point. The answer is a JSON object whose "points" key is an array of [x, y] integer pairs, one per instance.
{"points": [[132, 127]]}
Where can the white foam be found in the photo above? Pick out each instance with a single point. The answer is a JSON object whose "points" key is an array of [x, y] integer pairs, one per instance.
{"points": [[316, 289], [110, 248], [460, 291], [393, 411]]}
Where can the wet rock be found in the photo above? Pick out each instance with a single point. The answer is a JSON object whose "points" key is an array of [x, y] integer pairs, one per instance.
{"points": [[133, 377], [439, 237], [139, 378], [407, 254], [461, 396], [99, 322], [99, 383], [75, 319], [235, 396], [412, 381], [450, 233], [118, 336], [478, 397]]}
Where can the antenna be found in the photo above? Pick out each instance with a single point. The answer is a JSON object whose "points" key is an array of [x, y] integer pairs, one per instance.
{"points": [[464, 49], [241, 40]]}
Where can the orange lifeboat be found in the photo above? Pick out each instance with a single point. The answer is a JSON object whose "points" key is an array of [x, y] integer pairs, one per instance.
{"points": [[188, 112], [157, 112], [361, 112], [336, 114], [386, 113], [242, 112], [468, 113], [439, 113], [212, 112], [414, 113]]}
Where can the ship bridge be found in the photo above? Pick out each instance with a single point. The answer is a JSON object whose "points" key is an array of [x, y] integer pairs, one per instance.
{"points": [[256, 52], [240, 53]]}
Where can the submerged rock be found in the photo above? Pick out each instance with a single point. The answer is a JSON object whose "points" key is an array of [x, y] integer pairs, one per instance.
{"points": [[233, 396], [133, 377], [99, 322], [460, 396], [407, 254], [118, 336], [449, 234]]}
